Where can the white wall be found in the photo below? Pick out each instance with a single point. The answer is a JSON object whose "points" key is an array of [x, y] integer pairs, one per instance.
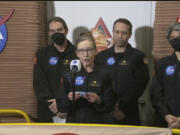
{"points": [[87, 13]]}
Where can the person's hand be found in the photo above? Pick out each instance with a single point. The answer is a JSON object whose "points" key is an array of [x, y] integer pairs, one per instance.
{"points": [[170, 119], [176, 124], [118, 114], [77, 96], [61, 115], [91, 97], [53, 106]]}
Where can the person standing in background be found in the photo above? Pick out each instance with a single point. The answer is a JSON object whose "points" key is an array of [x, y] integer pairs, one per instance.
{"points": [[165, 86], [52, 61], [129, 70]]}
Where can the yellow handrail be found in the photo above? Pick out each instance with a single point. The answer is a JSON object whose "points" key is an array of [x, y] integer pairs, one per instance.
{"points": [[176, 131], [15, 111]]}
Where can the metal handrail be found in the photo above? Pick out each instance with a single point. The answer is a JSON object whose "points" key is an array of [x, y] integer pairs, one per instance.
{"points": [[15, 111]]}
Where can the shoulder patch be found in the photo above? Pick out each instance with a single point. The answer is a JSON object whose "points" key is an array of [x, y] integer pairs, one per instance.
{"points": [[35, 60], [61, 81], [146, 61], [153, 72]]}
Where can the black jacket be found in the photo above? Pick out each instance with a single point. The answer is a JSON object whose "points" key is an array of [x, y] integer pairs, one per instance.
{"points": [[46, 77], [99, 82], [131, 76], [165, 86]]}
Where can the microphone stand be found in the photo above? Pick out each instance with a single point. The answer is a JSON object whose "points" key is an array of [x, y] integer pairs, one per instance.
{"points": [[73, 101]]}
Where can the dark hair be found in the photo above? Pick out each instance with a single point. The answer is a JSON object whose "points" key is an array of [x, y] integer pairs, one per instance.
{"points": [[123, 20], [86, 36], [60, 20], [175, 26]]}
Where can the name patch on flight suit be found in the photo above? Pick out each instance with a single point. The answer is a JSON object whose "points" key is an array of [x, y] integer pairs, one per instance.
{"points": [[170, 70], [79, 80], [53, 61], [66, 62], [95, 84], [111, 60], [123, 63]]}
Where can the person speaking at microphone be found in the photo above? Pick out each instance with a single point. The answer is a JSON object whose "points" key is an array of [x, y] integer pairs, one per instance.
{"points": [[92, 84]]}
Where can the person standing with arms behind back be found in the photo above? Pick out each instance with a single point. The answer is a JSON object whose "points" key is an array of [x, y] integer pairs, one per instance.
{"points": [[165, 86], [52, 61], [130, 73], [92, 84]]}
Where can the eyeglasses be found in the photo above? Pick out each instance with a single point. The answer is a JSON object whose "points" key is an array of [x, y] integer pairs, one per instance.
{"points": [[82, 51]]}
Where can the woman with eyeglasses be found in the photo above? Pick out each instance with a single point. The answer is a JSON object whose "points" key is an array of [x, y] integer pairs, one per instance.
{"points": [[92, 84]]}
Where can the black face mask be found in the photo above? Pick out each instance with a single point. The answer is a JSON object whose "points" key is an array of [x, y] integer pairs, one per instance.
{"points": [[58, 38], [175, 43]]}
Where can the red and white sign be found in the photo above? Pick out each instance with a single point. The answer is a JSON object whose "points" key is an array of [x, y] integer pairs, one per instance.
{"points": [[101, 35]]}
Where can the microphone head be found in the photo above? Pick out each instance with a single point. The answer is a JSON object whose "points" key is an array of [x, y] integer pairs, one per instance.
{"points": [[75, 65]]}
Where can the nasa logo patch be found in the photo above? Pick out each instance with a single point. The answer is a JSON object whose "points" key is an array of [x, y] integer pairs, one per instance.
{"points": [[3, 30], [3, 36], [110, 61], [53, 61], [170, 70], [79, 80]]}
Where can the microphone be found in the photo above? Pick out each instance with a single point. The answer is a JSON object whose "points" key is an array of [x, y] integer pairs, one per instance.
{"points": [[75, 65]]}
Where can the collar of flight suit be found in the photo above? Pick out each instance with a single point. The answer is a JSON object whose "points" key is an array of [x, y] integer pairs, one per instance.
{"points": [[69, 49], [127, 50], [95, 69], [174, 56]]}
